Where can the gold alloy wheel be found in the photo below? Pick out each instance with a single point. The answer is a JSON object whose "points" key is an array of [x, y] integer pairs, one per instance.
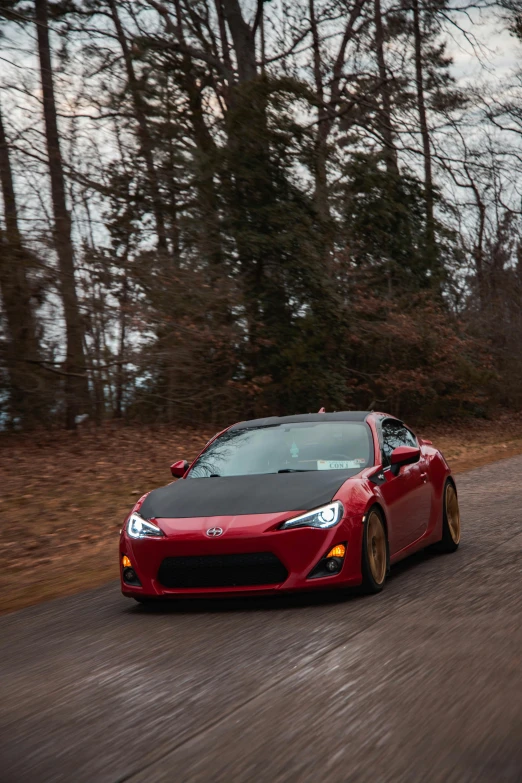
{"points": [[376, 547], [453, 513]]}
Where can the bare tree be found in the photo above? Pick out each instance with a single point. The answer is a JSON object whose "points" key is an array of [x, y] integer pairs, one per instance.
{"points": [[23, 356], [146, 143], [76, 385], [423, 125], [390, 151]]}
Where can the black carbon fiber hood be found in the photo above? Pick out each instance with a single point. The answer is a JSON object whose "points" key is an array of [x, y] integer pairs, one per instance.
{"points": [[236, 495]]}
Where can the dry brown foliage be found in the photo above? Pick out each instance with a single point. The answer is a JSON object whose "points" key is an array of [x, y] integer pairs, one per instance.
{"points": [[65, 496]]}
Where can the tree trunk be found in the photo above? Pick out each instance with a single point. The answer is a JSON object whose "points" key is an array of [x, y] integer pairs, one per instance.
{"points": [[225, 49], [27, 401], [323, 126], [120, 372], [8, 193], [252, 188], [425, 134], [327, 108], [146, 142], [478, 252], [243, 37], [207, 196], [390, 152], [76, 385]]}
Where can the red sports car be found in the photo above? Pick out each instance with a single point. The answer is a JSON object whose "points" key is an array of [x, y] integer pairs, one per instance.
{"points": [[325, 500]]}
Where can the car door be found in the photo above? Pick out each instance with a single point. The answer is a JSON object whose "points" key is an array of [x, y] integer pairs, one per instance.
{"points": [[407, 494]]}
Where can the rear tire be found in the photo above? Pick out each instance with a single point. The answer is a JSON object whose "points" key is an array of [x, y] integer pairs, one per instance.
{"points": [[375, 555], [450, 520]]}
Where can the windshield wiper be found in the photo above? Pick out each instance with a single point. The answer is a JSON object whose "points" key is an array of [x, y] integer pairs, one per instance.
{"points": [[295, 470]]}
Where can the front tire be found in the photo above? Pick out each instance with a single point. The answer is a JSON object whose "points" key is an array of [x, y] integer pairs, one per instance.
{"points": [[375, 558], [450, 520]]}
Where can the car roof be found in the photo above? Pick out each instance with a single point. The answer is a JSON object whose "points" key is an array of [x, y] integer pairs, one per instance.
{"points": [[302, 417]]}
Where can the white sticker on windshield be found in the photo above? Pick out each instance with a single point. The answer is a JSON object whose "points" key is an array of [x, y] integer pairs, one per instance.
{"points": [[336, 464]]}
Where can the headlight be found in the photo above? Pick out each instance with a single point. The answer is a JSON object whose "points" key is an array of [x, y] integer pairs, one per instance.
{"points": [[137, 527], [327, 516]]}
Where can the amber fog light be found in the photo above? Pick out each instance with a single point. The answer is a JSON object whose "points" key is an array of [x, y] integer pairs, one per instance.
{"points": [[331, 564], [126, 563], [337, 551]]}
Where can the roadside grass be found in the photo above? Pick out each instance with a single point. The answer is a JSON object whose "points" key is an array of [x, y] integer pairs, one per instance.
{"points": [[65, 495]]}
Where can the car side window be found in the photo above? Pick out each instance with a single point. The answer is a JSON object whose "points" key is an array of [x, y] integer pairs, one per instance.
{"points": [[395, 434]]}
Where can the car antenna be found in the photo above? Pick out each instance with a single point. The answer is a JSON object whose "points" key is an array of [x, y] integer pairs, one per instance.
{"points": [[321, 410]]}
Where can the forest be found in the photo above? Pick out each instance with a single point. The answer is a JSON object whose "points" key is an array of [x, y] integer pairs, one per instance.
{"points": [[220, 209]]}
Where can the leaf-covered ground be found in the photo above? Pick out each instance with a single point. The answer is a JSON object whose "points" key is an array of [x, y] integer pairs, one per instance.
{"points": [[64, 496]]}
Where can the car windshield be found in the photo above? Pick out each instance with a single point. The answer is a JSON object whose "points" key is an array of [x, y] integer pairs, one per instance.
{"points": [[287, 448]]}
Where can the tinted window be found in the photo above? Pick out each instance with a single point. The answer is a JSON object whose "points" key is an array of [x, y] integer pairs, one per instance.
{"points": [[395, 434], [336, 445]]}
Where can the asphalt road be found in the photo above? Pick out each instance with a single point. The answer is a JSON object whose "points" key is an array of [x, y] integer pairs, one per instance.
{"points": [[421, 683]]}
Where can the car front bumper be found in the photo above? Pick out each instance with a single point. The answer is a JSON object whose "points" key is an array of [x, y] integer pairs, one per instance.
{"points": [[298, 550]]}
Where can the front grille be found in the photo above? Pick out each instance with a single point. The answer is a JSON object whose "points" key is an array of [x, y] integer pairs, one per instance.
{"points": [[254, 568]]}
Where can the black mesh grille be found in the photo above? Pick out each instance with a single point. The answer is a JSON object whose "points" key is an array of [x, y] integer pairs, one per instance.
{"points": [[255, 568]]}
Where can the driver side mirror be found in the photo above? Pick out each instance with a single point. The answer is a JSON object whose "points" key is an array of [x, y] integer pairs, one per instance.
{"points": [[403, 455], [178, 469]]}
